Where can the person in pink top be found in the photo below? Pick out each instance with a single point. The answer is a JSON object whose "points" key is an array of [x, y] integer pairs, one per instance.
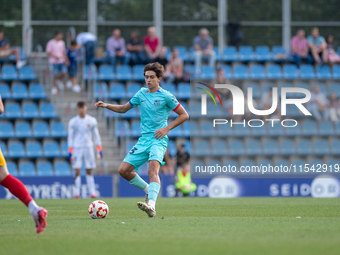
{"points": [[299, 47], [152, 44], [58, 60]]}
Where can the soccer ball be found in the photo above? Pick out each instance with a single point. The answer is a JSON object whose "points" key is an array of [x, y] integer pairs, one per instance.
{"points": [[98, 209]]}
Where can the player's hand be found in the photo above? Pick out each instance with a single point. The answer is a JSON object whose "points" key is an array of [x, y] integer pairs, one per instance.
{"points": [[100, 151], [160, 133], [100, 104], [70, 152]]}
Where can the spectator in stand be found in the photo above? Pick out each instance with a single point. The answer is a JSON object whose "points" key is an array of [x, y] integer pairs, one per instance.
{"points": [[57, 58], [318, 105], [334, 107], [6, 51], [72, 67], [221, 79], [317, 46], [182, 156], [168, 168], [135, 48], [168, 76], [203, 45], [333, 57], [299, 47], [89, 41], [176, 66], [152, 45], [116, 50]]}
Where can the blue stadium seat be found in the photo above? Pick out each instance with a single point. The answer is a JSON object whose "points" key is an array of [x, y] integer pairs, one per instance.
{"points": [[26, 73], [219, 57], [3, 148], [40, 129], [12, 168], [23, 129], [298, 162], [135, 128], [323, 88], [195, 109], [44, 168], [336, 71], [279, 162], [257, 71], [335, 146], [334, 87], [9, 73], [265, 86], [12, 110], [133, 113], [259, 130], [231, 163], [132, 89], [290, 71], [33, 149], [27, 168], [47, 110], [100, 90], [182, 52], [208, 72], [326, 128], [64, 148], [246, 53], [270, 147], [236, 147], [308, 127], [230, 53], [213, 162], [170, 87], [19, 91], [323, 71], [90, 72], [190, 70], [274, 71], [62, 168], [264, 162], [201, 147], [183, 90], [6, 129], [117, 91], [16, 149], [275, 129], [5, 91], [332, 162], [123, 73], [240, 130], [138, 72], [263, 53], [247, 162], [30, 110], [241, 71], [293, 131], [58, 129], [255, 88], [206, 128], [122, 129], [36, 91], [176, 132], [51, 149], [106, 73], [186, 128], [172, 148], [276, 50], [307, 71], [194, 128], [321, 146], [284, 85], [316, 163], [253, 147], [304, 147], [219, 147], [287, 147]]}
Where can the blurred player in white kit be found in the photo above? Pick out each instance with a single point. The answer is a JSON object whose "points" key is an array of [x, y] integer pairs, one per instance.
{"points": [[81, 128]]}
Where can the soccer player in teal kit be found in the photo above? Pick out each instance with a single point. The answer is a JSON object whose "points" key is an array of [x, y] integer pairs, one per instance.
{"points": [[156, 104]]}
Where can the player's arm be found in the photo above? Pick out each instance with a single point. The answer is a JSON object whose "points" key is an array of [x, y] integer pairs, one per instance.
{"points": [[70, 140], [2, 108], [115, 108], [97, 140], [182, 117]]}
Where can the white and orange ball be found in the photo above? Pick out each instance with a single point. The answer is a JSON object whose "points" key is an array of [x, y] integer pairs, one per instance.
{"points": [[98, 209]]}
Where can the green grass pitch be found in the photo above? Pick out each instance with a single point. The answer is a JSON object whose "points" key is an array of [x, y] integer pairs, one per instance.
{"points": [[182, 226]]}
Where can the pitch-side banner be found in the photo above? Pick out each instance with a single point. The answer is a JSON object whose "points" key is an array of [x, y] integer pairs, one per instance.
{"points": [[61, 187], [264, 187]]}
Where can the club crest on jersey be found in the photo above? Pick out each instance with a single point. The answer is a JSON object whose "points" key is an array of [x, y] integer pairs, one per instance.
{"points": [[157, 102], [89, 125]]}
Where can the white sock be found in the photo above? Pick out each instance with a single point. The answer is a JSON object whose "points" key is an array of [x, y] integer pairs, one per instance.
{"points": [[90, 184], [77, 184], [33, 207], [152, 203], [146, 190]]}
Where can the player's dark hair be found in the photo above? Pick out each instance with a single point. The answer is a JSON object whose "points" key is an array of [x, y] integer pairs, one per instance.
{"points": [[156, 67], [81, 104], [73, 43], [56, 33], [1, 30]]}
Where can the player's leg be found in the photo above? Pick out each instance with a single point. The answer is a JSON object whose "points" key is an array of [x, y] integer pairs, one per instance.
{"points": [[77, 182], [90, 163], [126, 170], [18, 189], [76, 165]]}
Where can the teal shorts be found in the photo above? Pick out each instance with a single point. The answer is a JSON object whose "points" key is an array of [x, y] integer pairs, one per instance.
{"points": [[147, 148]]}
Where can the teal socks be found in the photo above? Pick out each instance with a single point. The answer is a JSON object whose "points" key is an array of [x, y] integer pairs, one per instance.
{"points": [[153, 191], [139, 183]]}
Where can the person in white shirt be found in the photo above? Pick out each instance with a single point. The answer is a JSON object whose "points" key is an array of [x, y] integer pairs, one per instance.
{"points": [[89, 41], [81, 128], [318, 104]]}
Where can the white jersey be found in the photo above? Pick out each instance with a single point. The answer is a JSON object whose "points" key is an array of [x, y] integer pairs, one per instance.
{"points": [[80, 131], [83, 38]]}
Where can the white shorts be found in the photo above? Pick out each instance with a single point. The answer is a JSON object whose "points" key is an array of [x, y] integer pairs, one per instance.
{"points": [[83, 154]]}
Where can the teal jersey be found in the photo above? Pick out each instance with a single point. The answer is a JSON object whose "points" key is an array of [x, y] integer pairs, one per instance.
{"points": [[155, 108]]}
